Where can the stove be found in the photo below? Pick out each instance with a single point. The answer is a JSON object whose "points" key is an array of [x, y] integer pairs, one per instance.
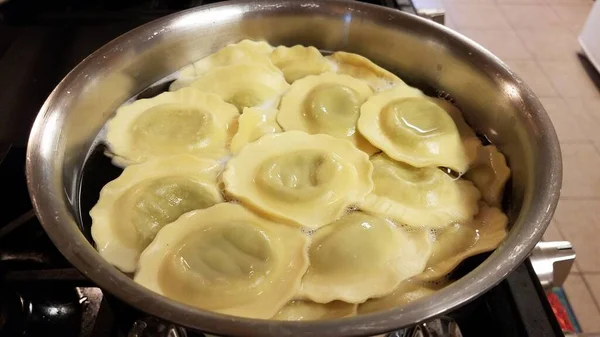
{"points": [[41, 294]]}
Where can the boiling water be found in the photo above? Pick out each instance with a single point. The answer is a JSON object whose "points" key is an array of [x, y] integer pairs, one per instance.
{"points": [[98, 170]]}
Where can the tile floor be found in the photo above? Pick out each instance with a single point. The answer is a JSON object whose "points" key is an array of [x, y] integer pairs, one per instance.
{"points": [[538, 39]]}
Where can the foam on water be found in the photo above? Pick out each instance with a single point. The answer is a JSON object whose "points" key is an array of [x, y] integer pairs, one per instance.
{"points": [[439, 283], [386, 85], [308, 231], [410, 229], [435, 232]]}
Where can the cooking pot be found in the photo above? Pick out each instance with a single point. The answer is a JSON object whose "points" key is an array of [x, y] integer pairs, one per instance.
{"points": [[495, 102]]}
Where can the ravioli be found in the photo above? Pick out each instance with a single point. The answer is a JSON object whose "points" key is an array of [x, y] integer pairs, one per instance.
{"points": [[253, 124], [489, 173], [462, 240], [361, 256], [144, 198], [302, 179], [471, 142], [407, 292], [244, 85], [299, 310], [363, 69], [277, 183], [419, 197], [184, 121], [245, 51], [298, 61], [226, 259], [328, 103], [408, 127]]}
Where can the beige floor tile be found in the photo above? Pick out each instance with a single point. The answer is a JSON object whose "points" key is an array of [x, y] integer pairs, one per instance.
{"points": [[480, 2], [569, 78], [521, 2], [558, 44], [533, 75], [502, 43], [587, 113], [552, 233], [573, 16], [428, 4], [581, 177], [583, 304], [568, 2], [579, 223], [536, 17], [593, 283], [567, 127], [479, 16], [448, 22]]}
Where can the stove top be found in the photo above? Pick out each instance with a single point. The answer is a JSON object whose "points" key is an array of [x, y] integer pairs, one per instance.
{"points": [[41, 294]]}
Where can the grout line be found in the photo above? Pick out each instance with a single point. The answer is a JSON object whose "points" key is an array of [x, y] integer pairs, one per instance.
{"points": [[565, 238], [561, 233], [576, 142], [489, 29], [560, 18], [596, 148], [507, 20], [571, 304], [565, 198], [575, 263], [540, 97], [537, 61], [589, 289], [524, 43]]}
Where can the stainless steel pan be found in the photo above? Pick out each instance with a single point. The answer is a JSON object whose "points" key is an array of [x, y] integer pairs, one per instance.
{"points": [[496, 102]]}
